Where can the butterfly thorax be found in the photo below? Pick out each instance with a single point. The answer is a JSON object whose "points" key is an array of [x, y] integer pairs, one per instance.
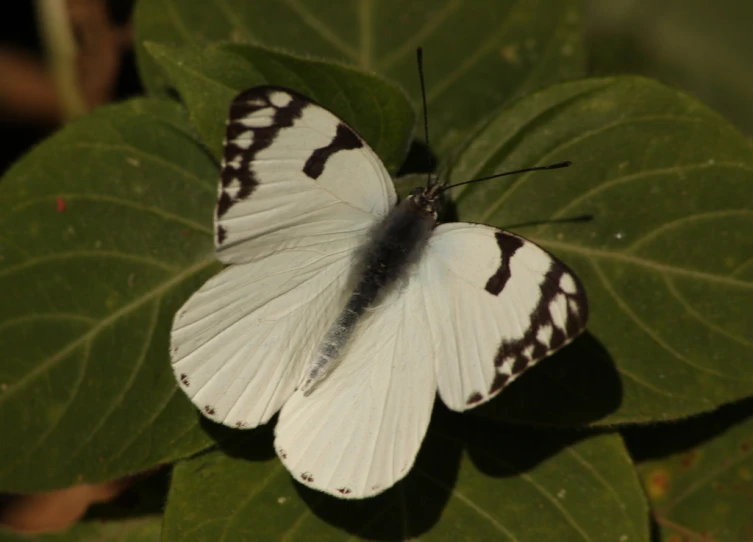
{"points": [[395, 245]]}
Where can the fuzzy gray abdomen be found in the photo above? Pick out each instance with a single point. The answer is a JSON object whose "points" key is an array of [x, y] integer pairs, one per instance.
{"points": [[396, 243]]}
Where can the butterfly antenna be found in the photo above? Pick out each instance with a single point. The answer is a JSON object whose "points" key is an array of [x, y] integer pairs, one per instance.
{"points": [[420, 59], [558, 165]]}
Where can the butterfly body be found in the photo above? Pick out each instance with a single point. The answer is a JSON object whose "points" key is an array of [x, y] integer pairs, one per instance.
{"points": [[347, 312], [395, 243]]}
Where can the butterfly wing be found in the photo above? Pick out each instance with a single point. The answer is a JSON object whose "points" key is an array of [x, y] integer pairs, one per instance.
{"points": [[293, 175], [299, 192], [508, 304], [359, 431]]}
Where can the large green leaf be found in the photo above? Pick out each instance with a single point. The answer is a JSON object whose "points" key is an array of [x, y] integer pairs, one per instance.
{"points": [[209, 78], [478, 54], [474, 480], [704, 491], [666, 258], [130, 530], [105, 232]]}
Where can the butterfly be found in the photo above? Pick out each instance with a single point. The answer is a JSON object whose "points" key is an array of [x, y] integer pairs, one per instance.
{"points": [[347, 312]]}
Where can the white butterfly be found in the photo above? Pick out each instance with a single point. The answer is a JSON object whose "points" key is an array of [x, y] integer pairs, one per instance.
{"points": [[347, 313]]}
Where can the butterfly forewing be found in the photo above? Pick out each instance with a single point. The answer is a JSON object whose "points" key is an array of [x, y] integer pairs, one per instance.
{"points": [[506, 305], [293, 174]]}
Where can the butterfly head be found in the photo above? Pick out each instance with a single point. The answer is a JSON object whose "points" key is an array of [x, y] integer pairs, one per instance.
{"points": [[427, 199]]}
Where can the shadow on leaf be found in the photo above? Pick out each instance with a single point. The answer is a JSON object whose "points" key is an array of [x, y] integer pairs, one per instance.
{"points": [[656, 441], [410, 508], [251, 444], [577, 386], [415, 504]]}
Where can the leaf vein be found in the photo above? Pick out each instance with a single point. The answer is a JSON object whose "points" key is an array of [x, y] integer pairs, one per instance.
{"points": [[582, 136], [647, 329], [56, 358], [116, 399], [681, 220], [85, 254], [698, 316], [473, 506], [323, 30]]}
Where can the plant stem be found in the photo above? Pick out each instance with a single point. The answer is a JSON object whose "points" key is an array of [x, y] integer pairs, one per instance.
{"points": [[60, 44]]}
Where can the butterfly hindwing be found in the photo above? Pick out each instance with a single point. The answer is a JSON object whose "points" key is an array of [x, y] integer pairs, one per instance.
{"points": [[501, 305], [240, 342], [360, 430]]}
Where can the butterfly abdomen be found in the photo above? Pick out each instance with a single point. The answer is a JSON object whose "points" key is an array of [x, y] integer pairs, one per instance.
{"points": [[395, 244]]}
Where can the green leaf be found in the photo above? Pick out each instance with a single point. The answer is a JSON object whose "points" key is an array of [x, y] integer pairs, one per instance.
{"points": [[209, 78], [131, 530], [105, 232], [469, 483], [476, 56], [665, 259], [703, 492]]}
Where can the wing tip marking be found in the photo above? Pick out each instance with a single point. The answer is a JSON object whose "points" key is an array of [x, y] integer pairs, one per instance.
{"points": [[520, 365], [245, 138], [474, 398], [500, 380], [530, 348], [223, 204], [221, 234]]}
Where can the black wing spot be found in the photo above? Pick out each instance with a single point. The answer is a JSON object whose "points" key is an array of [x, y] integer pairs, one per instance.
{"points": [[345, 139], [520, 365], [184, 379], [282, 453], [223, 204], [221, 235], [499, 382], [344, 490], [508, 246], [209, 410], [307, 477], [474, 398]]}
